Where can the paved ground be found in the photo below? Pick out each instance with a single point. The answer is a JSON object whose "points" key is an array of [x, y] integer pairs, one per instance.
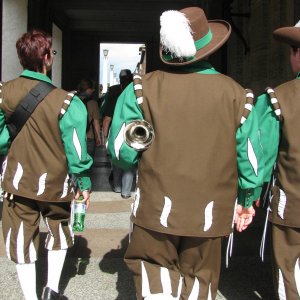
{"points": [[94, 268]]}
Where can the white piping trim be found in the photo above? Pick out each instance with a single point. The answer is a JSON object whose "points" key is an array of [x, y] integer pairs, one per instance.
{"points": [[136, 202], [208, 216], [281, 204], [166, 212], [248, 106], [138, 87], [252, 157], [20, 245], [63, 239], [140, 100], [42, 184], [263, 240], [145, 282], [297, 275], [7, 244], [243, 119], [18, 176], [32, 252], [119, 141], [281, 288], [76, 143], [65, 187], [229, 248], [195, 290], [165, 281]]}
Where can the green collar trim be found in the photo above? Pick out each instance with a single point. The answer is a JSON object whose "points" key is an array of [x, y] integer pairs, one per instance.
{"points": [[199, 44], [36, 75], [202, 67]]}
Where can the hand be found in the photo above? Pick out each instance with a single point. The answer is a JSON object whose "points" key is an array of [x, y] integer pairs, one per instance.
{"points": [[243, 217], [98, 142], [257, 203], [85, 195]]}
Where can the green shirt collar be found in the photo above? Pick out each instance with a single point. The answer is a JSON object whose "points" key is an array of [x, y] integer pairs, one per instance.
{"points": [[201, 67], [36, 75]]}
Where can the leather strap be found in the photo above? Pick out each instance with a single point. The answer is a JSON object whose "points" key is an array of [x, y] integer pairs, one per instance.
{"points": [[27, 106]]}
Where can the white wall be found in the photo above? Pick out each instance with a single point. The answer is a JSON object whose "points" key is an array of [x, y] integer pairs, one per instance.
{"points": [[57, 45], [14, 24]]}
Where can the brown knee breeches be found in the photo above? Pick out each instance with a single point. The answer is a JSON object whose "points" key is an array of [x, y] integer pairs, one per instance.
{"points": [[169, 265], [20, 224], [286, 261]]}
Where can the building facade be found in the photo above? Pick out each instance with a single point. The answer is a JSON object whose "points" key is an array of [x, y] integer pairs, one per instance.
{"points": [[251, 56]]}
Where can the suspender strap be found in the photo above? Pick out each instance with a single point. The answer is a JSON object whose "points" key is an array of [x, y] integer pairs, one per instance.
{"points": [[27, 106]]}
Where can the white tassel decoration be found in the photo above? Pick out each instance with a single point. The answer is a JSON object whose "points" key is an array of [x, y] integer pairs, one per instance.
{"points": [[176, 34]]}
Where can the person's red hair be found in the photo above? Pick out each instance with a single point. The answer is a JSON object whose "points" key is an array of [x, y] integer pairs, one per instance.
{"points": [[32, 47]]}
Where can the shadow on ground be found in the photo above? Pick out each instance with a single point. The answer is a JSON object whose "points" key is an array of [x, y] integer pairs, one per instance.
{"points": [[111, 263], [75, 264], [247, 275]]}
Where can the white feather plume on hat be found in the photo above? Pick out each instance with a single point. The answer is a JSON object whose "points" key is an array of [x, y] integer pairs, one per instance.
{"points": [[176, 34], [298, 24]]}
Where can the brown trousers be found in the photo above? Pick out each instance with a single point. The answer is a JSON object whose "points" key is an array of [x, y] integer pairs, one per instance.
{"points": [[286, 262], [20, 225], [177, 266]]}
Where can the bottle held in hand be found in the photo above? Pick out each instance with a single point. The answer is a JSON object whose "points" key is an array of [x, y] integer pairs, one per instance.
{"points": [[79, 214]]}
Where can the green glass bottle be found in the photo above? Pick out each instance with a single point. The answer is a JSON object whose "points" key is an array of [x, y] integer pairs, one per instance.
{"points": [[79, 215]]}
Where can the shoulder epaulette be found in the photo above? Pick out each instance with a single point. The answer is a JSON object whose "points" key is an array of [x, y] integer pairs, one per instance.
{"points": [[66, 104], [248, 105], [138, 88], [274, 102]]}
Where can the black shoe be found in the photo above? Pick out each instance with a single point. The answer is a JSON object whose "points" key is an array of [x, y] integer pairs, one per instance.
{"points": [[49, 294], [125, 197]]}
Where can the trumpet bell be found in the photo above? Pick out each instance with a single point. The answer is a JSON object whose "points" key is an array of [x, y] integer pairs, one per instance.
{"points": [[139, 135]]}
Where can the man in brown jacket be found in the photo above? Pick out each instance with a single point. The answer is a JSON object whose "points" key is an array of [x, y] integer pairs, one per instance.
{"points": [[279, 123], [205, 154], [44, 163]]}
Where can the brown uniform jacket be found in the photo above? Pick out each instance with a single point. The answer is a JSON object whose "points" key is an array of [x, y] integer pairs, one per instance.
{"points": [[285, 205], [36, 165], [187, 179]]}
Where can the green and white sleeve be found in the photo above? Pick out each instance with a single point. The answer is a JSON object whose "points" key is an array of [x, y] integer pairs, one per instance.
{"points": [[126, 111], [4, 135], [73, 133], [249, 161], [269, 129]]}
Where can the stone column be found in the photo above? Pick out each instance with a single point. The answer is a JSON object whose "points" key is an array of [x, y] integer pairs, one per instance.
{"points": [[105, 63], [111, 75]]}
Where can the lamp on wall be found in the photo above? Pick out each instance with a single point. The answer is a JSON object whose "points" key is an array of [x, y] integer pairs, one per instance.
{"points": [[105, 63]]}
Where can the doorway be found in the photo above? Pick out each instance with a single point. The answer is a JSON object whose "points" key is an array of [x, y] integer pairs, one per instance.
{"points": [[114, 57]]}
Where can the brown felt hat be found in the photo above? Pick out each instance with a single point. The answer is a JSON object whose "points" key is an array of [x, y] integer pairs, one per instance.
{"points": [[208, 37], [288, 35]]}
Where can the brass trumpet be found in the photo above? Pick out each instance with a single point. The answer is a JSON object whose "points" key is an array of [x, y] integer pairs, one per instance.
{"points": [[139, 135]]}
